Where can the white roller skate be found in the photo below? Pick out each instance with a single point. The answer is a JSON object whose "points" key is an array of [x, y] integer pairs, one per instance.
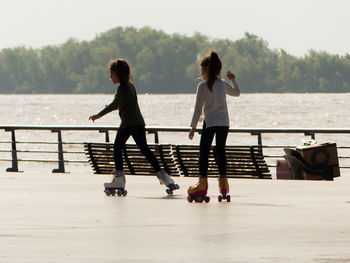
{"points": [[165, 179], [117, 183]]}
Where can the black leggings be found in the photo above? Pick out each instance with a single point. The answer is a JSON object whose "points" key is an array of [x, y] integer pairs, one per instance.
{"points": [[205, 144], [139, 135]]}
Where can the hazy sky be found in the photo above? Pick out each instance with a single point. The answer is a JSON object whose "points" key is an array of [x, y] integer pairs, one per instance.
{"points": [[293, 25]]}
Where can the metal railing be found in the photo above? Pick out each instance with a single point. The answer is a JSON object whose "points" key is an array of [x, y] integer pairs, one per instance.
{"points": [[60, 143]]}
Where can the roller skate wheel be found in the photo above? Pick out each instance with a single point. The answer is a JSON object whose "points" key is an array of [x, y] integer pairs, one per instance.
{"points": [[189, 199], [107, 192], [199, 199], [113, 192], [228, 198], [125, 193], [177, 186], [119, 193], [169, 191], [207, 199], [219, 198]]}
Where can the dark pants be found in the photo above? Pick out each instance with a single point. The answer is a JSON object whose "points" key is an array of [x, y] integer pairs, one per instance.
{"points": [[139, 135], [207, 136]]}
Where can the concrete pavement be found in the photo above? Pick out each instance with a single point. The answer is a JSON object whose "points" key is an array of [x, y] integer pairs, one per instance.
{"points": [[67, 218]]}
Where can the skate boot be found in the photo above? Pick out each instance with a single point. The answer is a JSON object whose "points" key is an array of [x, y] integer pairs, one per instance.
{"points": [[117, 183], [165, 179], [224, 189], [198, 192]]}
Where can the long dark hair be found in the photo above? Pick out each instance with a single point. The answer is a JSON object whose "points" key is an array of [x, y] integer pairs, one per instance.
{"points": [[121, 67], [212, 65]]}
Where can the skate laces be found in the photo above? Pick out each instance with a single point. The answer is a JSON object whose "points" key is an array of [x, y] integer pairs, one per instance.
{"points": [[201, 185], [223, 184], [117, 173]]}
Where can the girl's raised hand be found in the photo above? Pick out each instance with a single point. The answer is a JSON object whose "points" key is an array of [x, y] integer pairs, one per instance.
{"points": [[230, 75]]}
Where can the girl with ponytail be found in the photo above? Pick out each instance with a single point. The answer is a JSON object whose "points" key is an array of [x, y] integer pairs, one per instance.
{"points": [[211, 99]]}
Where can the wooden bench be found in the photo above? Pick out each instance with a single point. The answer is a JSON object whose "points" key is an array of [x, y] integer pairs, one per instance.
{"points": [[101, 159], [242, 161]]}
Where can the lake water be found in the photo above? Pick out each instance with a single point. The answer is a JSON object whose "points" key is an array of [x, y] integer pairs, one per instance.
{"points": [[248, 110]]}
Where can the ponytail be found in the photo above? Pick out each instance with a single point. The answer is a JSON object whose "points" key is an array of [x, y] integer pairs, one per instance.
{"points": [[213, 65]]}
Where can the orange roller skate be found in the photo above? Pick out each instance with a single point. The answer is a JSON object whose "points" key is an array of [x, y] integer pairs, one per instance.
{"points": [[224, 189], [198, 192]]}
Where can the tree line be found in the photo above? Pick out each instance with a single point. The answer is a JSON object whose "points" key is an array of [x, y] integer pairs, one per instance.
{"points": [[164, 63]]}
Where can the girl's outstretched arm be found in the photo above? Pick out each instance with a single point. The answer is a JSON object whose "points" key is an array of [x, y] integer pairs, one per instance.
{"points": [[111, 107], [234, 89], [108, 108], [197, 110], [191, 134], [95, 117]]}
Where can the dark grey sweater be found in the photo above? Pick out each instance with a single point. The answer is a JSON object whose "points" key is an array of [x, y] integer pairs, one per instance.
{"points": [[125, 100]]}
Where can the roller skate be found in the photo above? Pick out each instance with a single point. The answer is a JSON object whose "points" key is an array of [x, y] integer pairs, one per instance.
{"points": [[198, 192], [165, 179], [117, 183], [224, 189]]}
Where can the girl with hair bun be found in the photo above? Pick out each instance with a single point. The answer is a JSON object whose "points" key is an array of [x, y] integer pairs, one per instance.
{"points": [[132, 124], [211, 100]]}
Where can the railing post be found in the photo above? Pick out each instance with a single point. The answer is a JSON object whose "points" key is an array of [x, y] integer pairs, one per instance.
{"points": [[60, 168], [14, 167], [312, 134], [106, 135], [156, 137], [259, 137]]}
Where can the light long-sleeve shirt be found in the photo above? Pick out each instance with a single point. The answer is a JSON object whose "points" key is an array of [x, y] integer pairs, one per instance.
{"points": [[213, 103]]}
